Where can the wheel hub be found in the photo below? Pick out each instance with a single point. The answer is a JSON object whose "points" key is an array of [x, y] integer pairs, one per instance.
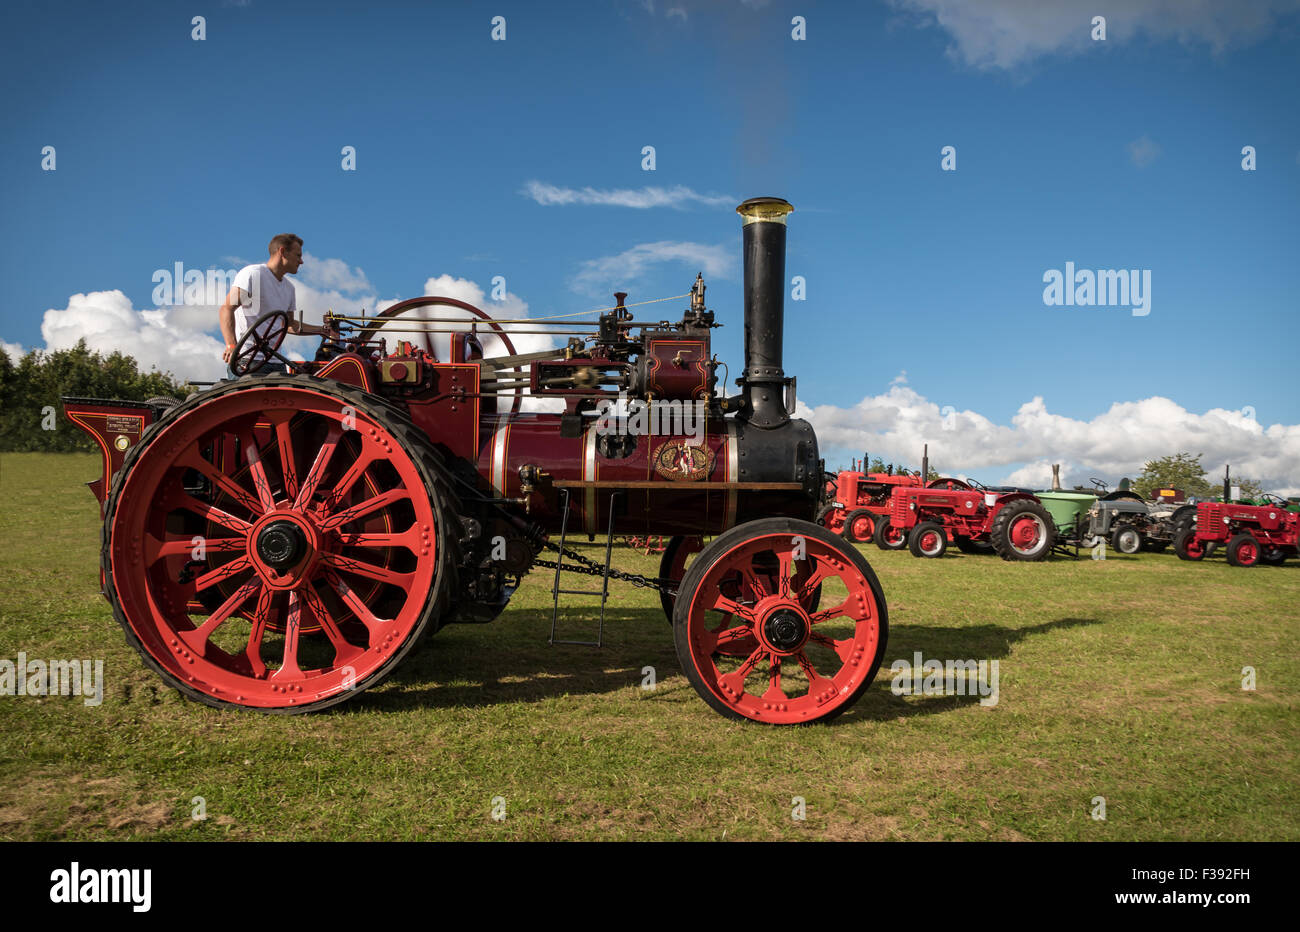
{"points": [[281, 544], [785, 630]]}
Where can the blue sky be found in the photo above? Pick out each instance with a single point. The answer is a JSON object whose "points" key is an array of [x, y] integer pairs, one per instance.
{"points": [[1124, 153]]}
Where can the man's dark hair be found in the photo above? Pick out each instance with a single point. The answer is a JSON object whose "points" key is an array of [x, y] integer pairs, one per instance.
{"points": [[283, 241]]}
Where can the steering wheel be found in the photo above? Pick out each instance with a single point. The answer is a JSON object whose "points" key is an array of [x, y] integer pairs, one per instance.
{"points": [[1100, 485], [254, 349], [1275, 499], [949, 484]]}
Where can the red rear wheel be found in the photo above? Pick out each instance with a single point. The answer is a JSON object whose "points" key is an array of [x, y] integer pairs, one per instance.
{"points": [[265, 510], [750, 643]]}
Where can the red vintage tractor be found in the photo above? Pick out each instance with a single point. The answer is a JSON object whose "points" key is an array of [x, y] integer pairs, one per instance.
{"points": [[1014, 524], [282, 542], [855, 501], [1266, 533]]}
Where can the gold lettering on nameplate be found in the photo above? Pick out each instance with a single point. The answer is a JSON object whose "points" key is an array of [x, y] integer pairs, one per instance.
{"points": [[119, 424]]}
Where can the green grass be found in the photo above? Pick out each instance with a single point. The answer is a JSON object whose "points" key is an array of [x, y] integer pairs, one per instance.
{"points": [[1119, 679]]}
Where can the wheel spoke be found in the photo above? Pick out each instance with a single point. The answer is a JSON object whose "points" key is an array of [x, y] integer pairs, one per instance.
{"points": [[260, 482], [197, 639], [359, 608], [223, 482], [774, 692], [289, 669], [261, 616], [816, 682], [155, 550], [807, 586], [826, 614], [344, 650], [758, 587], [783, 574], [348, 515], [226, 571], [316, 475], [735, 681], [410, 539], [288, 469], [349, 479], [842, 648], [212, 513], [370, 571]]}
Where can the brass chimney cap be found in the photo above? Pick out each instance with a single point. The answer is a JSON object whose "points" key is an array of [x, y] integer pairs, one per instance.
{"points": [[764, 209]]}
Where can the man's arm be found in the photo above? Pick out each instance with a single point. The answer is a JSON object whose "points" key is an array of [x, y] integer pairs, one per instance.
{"points": [[227, 317]]}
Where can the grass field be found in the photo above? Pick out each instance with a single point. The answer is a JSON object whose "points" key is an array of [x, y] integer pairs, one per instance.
{"points": [[1120, 679]]}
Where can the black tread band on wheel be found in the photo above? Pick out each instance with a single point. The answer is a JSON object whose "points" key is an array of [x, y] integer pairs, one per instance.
{"points": [[1023, 531], [367, 514]]}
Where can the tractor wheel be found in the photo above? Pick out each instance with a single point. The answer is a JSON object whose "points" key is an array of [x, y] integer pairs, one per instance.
{"points": [[1187, 546], [1273, 556], [1023, 531], [1244, 550], [279, 543], [1126, 539], [859, 526], [887, 537], [746, 640], [927, 540], [672, 566], [831, 518]]}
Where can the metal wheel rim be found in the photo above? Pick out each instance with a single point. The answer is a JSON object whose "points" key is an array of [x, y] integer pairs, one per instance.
{"points": [[324, 589], [743, 640]]}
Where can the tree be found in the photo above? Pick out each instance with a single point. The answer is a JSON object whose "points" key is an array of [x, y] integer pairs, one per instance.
{"points": [[30, 393], [1180, 471]]}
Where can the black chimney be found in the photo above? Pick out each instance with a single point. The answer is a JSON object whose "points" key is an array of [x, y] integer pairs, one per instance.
{"points": [[764, 247]]}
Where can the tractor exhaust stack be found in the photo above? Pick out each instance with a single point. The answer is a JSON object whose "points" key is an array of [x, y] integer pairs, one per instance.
{"points": [[763, 379]]}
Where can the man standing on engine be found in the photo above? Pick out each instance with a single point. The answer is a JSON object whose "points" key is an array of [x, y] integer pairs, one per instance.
{"points": [[261, 288]]}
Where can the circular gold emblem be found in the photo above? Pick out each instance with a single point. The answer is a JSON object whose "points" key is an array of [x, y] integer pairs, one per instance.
{"points": [[121, 442], [679, 461]]}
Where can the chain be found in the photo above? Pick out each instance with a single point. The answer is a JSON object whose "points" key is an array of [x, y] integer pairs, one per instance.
{"points": [[590, 567]]}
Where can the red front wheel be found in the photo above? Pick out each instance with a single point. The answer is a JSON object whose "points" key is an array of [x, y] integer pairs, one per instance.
{"points": [[748, 633]]}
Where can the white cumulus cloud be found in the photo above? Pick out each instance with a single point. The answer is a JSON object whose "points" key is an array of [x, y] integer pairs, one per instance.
{"points": [[1115, 443]]}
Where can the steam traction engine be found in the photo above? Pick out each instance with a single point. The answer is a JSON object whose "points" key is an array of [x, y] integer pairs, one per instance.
{"points": [[281, 542]]}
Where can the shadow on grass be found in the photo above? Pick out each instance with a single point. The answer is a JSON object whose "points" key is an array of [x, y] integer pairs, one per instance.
{"points": [[976, 642], [510, 661]]}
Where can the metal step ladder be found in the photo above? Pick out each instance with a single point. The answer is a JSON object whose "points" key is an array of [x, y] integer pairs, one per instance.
{"points": [[603, 591]]}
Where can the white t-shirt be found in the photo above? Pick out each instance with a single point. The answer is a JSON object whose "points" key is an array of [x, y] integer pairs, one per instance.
{"points": [[260, 291]]}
